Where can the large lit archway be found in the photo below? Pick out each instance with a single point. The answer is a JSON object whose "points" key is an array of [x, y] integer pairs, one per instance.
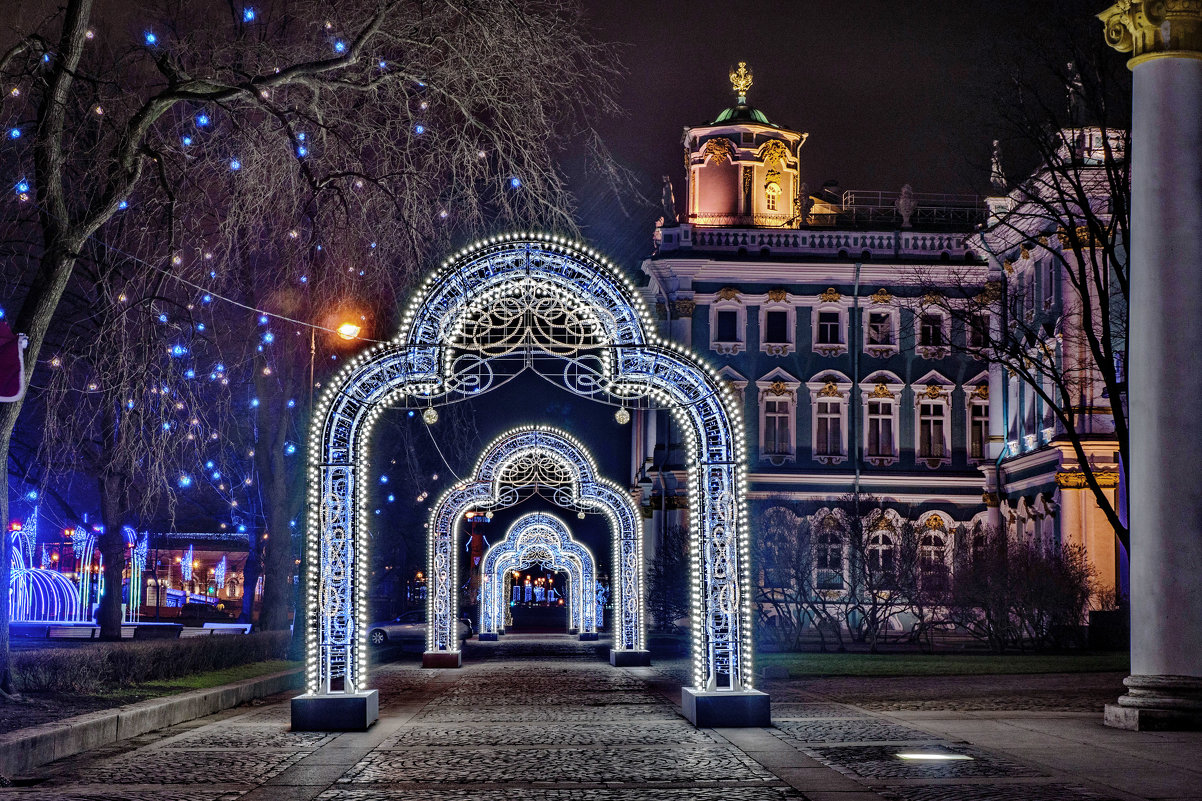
{"points": [[534, 538], [513, 466], [503, 305]]}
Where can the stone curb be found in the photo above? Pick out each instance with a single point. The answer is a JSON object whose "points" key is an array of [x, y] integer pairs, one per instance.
{"points": [[27, 748]]}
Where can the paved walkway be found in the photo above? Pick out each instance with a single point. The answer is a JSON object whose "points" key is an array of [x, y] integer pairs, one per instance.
{"points": [[544, 718]]}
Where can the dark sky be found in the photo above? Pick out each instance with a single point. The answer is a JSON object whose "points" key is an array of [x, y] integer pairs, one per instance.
{"points": [[890, 92]]}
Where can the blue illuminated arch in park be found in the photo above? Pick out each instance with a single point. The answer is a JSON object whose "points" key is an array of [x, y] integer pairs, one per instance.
{"points": [[533, 538], [519, 462], [499, 306]]}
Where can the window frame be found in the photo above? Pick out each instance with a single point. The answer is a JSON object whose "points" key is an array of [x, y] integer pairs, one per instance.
{"points": [[877, 349], [790, 309], [928, 351], [776, 386], [829, 301], [935, 390], [882, 387], [735, 304], [829, 385]]}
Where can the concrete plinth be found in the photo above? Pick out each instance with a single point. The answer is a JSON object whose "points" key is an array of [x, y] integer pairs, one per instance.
{"points": [[442, 659], [741, 709], [629, 658], [573, 631], [335, 712], [488, 636], [1158, 703], [589, 635]]}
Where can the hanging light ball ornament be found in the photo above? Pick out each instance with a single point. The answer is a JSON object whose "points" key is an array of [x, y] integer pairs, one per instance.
{"points": [[580, 515], [622, 416], [430, 415]]}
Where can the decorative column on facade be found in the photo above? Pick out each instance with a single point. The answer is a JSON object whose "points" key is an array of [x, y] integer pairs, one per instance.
{"points": [[1164, 37]]}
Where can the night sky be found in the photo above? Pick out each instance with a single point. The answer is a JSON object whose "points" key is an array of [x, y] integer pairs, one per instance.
{"points": [[890, 93]]}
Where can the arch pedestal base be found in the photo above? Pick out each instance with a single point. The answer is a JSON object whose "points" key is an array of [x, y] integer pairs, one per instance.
{"points": [[336, 712], [742, 709], [629, 658], [488, 636], [442, 659], [589, 635]]}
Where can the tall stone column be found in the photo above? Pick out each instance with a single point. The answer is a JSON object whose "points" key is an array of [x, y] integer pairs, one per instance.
{"points": [[1164, 37]]}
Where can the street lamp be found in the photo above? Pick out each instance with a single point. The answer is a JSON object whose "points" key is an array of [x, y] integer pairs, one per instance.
{"points": [[349, 331]]}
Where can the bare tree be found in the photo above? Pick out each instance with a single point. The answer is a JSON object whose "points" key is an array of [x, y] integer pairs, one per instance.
{"points": [[783, 550], [330, 102]]}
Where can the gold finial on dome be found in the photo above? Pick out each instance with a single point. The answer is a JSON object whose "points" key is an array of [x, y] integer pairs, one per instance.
{"points": [[740, 80]]}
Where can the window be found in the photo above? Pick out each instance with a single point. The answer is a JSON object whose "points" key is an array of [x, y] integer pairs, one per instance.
{"points": [[932, 557], [771, 194], [828, 558], [930, 331], [931, 426], [776, 327], [777, 414], [727, 326], [880, 328], [880, 428], [880, 553], [978, 330], [978, 430], [828, 328], [828, 436]]}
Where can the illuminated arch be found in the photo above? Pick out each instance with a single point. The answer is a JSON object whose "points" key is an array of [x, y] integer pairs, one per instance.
{"points": [[512, 300], [521, 460], [540, 537]]}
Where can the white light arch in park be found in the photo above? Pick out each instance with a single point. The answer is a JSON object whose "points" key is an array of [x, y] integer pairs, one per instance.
{"points": [[537, 538], [491, 311], [515, 464]]}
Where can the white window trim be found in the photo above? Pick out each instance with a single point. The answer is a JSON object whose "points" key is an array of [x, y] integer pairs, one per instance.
{"points": [[882, 351], [942, 529], [790, 310], [777, 385], [871, 391], [976, 393], [933, 389], [817, 524], [828, 305], [829, 384], [736, 305], [931, 351]]}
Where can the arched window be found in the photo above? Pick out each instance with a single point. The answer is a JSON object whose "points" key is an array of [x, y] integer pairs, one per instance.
{"points": [[932, 558], [828, 556], [881, 552]]}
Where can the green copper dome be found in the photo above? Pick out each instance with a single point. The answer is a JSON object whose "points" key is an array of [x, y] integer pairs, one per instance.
{"points": [[742, 113]]}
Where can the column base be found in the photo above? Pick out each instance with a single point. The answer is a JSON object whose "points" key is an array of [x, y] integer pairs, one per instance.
{"points": [[1157, 703], [590, 635], [741, 709], [487, 636], [501, 632], [629, 658], [573, 631], [336, 711], [442, 659]]}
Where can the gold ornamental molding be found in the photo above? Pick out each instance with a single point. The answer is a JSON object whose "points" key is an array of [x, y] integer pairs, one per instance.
{"points": [[780, 388], [882, 295], [830, 390], [720, 150], [881, 391], [740, 80], [990, 499], [1075, 479], [777, 295], [831, 295], [774, 150], [684, 308], [933, 391], [1149, 29], [981, 391], [729, 293]]}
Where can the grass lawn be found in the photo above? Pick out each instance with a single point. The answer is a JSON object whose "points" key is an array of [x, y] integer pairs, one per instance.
{"points": [[811, 664], [202, 681]]}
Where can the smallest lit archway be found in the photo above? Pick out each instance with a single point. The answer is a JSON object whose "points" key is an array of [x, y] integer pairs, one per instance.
{"points": [[534, 538]]}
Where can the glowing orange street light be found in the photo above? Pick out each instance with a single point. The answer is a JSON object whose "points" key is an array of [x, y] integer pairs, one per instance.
{"points": [[349, 331]]}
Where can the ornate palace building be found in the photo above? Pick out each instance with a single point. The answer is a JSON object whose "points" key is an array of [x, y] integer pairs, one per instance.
{"points": [[816, 307]]}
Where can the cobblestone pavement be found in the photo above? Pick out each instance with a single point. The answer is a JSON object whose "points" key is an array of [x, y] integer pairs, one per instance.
{"points": [[546, 718]]}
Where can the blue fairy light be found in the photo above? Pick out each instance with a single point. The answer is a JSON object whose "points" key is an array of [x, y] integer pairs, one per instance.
{"points": [[383, 64], [186, 141], [291, 403], [216, 475], [304, 279], [259, 348], [301, 136], [162, 318], [411, 413], [289, 449], [373, 245], [391, 498], [178, 350], [207, 299], [235, 165], [302, 151], [212, 273], [14, 133], [123, 205], [262, 319], [419, 129], [209, 465], [184, 481], [32, 495], [254, 402], [248, 15], [189, 374], [219, 367], [269, 337], [45, 58], [166, 426], [200, 326], [22, 185], [384, 478], [515, 182], [129, 404], [241, 528], [150, 38], [339, 46], [202, 120]]}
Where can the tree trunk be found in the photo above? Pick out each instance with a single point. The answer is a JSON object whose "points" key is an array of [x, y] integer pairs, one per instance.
{"points": [[7, 420], [112, 549]]}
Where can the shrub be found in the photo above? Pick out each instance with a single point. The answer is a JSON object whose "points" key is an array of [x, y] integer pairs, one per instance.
{"points": [[92, 668]]}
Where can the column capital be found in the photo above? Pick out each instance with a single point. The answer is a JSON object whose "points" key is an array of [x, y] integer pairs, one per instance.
{"points": [[1151, 29]]}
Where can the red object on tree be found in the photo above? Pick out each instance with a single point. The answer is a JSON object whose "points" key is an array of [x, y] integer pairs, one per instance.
{"points": [[12, 363]]}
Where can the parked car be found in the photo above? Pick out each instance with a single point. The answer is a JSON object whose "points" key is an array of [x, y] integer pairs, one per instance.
{"points": [[197, 614], [409, 627]]}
